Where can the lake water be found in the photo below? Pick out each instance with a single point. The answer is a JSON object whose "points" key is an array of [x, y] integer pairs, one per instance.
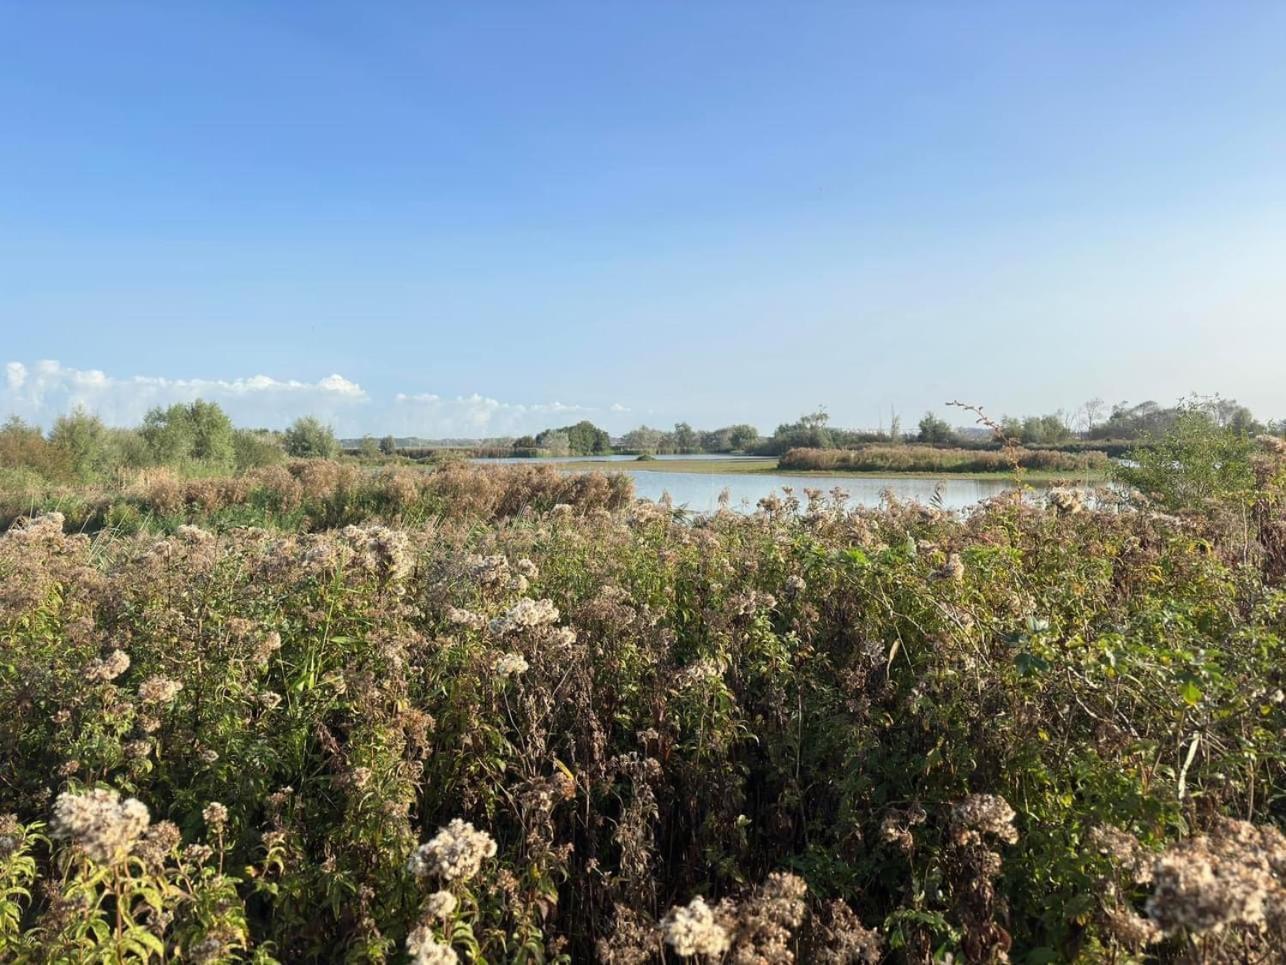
{"points": [[613, 458], [699, 491]]}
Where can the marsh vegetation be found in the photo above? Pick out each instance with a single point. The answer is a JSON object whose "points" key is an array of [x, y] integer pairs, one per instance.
{"points": [[512, 714]]}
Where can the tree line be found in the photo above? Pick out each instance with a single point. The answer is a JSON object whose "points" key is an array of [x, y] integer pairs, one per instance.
{"points": [[197, 437]]}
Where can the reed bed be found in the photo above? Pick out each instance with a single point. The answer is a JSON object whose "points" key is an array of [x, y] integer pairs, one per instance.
{"points": [[932, 459]]}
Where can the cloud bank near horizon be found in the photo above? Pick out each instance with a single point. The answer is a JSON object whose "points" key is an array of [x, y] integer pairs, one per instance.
{"points": [[39, 393]]}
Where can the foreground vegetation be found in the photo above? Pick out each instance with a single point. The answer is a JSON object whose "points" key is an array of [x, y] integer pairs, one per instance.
{"points": [[521, 718]]}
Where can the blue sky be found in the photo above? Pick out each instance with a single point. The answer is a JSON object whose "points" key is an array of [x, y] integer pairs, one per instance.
{"points": [[481, 218]]}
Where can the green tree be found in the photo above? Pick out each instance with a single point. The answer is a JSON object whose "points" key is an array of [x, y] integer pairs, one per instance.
{"points": [[368, 447], [588, 439], [1195, 461], [388, 446], [642, 439], [716, 440], [808, 432], [309, 437], [85, 440], [685, 438], [583, 439], [935, 429], [199, 431], [743, 436], [1044, 430]]}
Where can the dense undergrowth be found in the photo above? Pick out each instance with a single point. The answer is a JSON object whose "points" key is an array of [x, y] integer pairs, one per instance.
{"points": [[525, 722], [310, 494]]}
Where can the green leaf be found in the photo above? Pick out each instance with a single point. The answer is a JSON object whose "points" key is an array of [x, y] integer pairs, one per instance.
{"points": [[1190, 693]]}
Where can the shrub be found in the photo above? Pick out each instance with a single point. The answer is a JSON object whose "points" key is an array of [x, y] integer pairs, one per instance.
{"points": [[197, 432], [308, 438], [254, 449], [87, 443], [1193, 462], [24, 446]]}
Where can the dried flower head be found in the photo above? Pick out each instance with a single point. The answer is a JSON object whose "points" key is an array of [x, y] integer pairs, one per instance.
{"points": [[510, 664], [266, 647], [193, 534], [1066, 502], [158, 690], [952, 571], [425, 949], [456, 852], [465, 618], [692, 930], [841, 939], [99, 822], [982, 814], [562, 637], [215, 815], [1235, 875], [488, 570], [526, 614], [198, 853], [109, 667], [440, 904], [1124, 851], [158, 842], [1133, 931], [11, 834]]}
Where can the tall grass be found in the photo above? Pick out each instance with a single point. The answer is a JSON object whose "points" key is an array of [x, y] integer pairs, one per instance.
{"points": [[314, 494]]}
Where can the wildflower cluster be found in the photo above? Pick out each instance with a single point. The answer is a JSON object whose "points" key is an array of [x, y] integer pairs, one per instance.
{"points": [[526, 614], [691, 929], [1235, 875], [510, 665], [981, 816], [158, 690], [99, 823], [775, 710], [110, 667], [455, 853]]}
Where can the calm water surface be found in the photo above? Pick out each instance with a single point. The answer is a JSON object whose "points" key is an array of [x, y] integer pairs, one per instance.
{"points": [[699, 491]]}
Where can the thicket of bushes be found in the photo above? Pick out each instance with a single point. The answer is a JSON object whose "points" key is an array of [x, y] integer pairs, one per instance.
{"points": [[810, 733], [932, 459]]}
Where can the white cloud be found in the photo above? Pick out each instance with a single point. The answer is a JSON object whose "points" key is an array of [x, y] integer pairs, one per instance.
{"points": [[42, 391], [476, 416]]}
